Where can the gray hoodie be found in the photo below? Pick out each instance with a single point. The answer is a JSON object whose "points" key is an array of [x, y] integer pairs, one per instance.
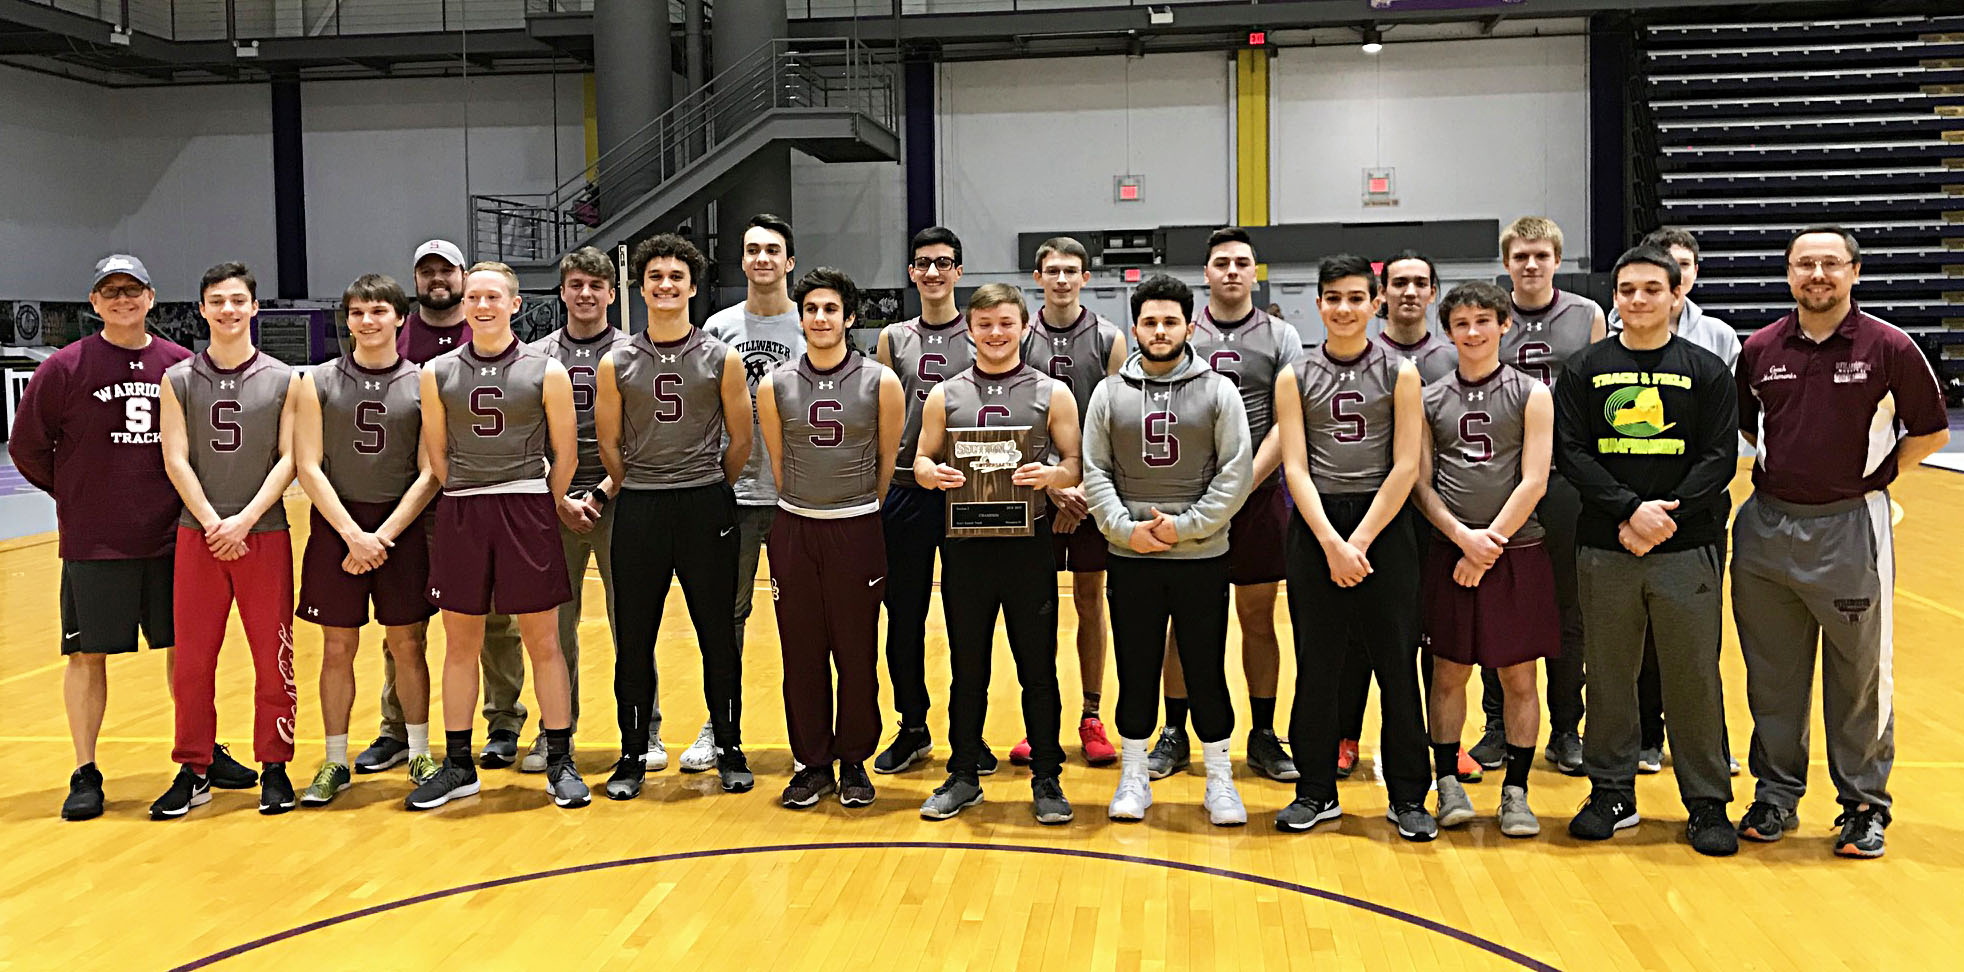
{"points": [[1177, 442], [1694, 325]]}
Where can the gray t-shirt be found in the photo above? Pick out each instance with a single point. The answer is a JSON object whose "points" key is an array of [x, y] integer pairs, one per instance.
{"points": [[1478, 430], [829, 424], [371, 423], [1435, 356], [1348, 417], [232, 424], [1540, 341], [1021, 397], [495, 416], [764, 342], [582, 361], [924, 357], [671, 411]]}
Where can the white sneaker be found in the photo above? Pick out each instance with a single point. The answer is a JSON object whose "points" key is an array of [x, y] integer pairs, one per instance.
{"points": [[701, 754], [1133, 797], [657, 756], [534, 760], [1223, 802]]}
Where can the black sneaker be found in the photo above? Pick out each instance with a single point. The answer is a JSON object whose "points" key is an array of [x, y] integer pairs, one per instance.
{"points": [[1491, 751], [807, 787], [734, 770], [1267, 757], [986, 765], [1304, 813], [909, 747], [84, 794], [500, 750], [1170, 755], [1708, 830], [275, 790], [227, 773], [1861, 831], [855, 787], [187, 790], [1767, 823], [1603, 814], [451, 782], [625, 784], [384, 752], [1047, 801], [1565, 751]]}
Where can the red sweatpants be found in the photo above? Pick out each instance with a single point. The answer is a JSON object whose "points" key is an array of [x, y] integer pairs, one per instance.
{"points": [[262, 584], [827, 579]]}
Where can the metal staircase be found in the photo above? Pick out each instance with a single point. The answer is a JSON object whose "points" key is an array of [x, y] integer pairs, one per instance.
{"points": [[831, 98]]}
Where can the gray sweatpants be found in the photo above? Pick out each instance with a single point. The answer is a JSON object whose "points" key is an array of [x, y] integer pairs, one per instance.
{"points": [[503, 655], [1676, 596], [753, 526], [1798, 573]]}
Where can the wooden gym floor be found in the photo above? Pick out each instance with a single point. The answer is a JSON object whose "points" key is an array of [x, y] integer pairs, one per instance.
{"points": [[689, 875]]}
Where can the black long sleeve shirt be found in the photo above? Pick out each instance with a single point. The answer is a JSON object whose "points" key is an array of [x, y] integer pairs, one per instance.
{"points": [[1633, 426]]}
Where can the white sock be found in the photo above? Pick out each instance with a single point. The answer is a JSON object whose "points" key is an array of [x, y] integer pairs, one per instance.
{"points": [[419, 739], [1132, 756], [337, 749], [1215, 756]]}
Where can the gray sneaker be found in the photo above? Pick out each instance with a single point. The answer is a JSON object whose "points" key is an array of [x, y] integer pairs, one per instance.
{"points": [[1304, 813], [1650, 759], [564, 783], [1267, 757], [1565, 751], [1491, 751], [1047, 801], [1413, 822], [534, 760], [1454, 806], [951, 798], [1516, 820], [1172, 754]]}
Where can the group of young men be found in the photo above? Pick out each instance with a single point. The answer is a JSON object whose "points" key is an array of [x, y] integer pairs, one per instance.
{"points": [[1532, 487]]}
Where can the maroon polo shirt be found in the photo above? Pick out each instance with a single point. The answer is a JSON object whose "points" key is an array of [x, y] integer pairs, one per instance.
{"points": [[87, 433], [1829, 416], [419, 341]]}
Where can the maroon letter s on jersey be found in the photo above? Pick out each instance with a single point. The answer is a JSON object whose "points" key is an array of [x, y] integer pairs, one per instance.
{"points": [[668, 404], [226, 426], [835, 431], [368, 421], [1160, 438], [483, 405]]}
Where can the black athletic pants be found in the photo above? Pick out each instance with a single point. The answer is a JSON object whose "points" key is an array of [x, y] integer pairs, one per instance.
{"points": [[1016, 575], [1354, 685], [913, 520], [1146, 591], [1377, 620], [1556, 512], [689, 533]]}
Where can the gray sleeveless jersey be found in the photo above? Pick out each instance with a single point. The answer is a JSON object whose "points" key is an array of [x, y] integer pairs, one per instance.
{"points": [[1540, 342], [232, 423], [1162, 438], [1251, 355], [1022, 397], [829, 424], [671, 411], [495, 416], [924, 357], [1075, 355], [1478, 429], [1435, 356], [582, 361], [371, 422], [1348, 418]]}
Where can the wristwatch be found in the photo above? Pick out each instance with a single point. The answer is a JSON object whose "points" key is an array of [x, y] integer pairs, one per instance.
{"points": [[598, 496]]}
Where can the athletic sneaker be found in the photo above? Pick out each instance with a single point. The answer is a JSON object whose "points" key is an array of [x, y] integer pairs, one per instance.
{"points": [[535, 758], [1708, 830], [1223, 802], [1603, 814], [500, 750], [1565, 751], [1170, 755], [1469, 770], [1650, 759], [1346, 758], [1047, 801], [807, 787], [625, 783], [384, 752], [328, 783], [910, 746], [1861, 831], [1304, 813], [986, 764], [1767, 823], [1414, 824], [656, 758], [564, 783], [187, 790], [734, 771], [1132, 798], [701, 754], [422, 766], [1732, 764], [1098, 750], [1491, 751], [84, 794], [1516, 820], [1455, 807], [952, 797], [855, 787], [1267, 757], [451, 782], [1019, 754], [226, 773], [275, 790]]}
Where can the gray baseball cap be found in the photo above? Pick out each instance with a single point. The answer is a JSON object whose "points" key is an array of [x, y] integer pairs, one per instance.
{"points": [[123, 263]]}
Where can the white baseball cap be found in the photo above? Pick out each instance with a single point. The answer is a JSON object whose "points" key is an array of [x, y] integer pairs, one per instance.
{"points": [[442, 248]]}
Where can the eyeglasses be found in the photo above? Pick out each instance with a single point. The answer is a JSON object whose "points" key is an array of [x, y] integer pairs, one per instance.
{"points": [[126, 290], [924, 264], [1057, 273], [1830, 267]]}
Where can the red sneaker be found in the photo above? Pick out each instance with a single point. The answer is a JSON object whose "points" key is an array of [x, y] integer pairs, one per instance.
{"points": [[1346, 758], [1021, 754], [1098, 750], [1469, 769]]}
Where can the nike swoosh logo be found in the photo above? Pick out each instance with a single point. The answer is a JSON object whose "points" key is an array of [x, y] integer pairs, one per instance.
{"points": [[71, 636], [876, 580], [725, 531]]}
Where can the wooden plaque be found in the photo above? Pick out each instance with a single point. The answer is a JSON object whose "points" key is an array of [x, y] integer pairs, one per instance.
{"points": [[989, 504]]}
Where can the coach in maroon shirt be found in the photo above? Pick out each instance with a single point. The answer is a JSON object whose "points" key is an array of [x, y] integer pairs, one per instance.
{"points": [[1837, 402], [437, 325]]}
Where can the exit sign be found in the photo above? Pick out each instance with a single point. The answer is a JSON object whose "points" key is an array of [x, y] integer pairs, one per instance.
{"points": [[1132, 274], [1257, 38], [1380, 187], [1125, 188]]}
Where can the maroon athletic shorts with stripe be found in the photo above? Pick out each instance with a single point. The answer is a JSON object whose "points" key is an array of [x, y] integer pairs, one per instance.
{"points": [[1081, 551], [500, 549], [334, 598], [1509, 618]]}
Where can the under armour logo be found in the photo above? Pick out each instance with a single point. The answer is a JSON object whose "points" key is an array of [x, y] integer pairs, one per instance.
{"points": [[995, 389], [444, 340], [1533, 325], [435, 593], [487, 371], [667, 358], [583, 352], [313, 612], [371, 385], [935, 339], [1478, 396], [228, 383], [823, 385], [1161, 396], [136, 366], [1346, 376], [1228, 337], [1059, 342]]}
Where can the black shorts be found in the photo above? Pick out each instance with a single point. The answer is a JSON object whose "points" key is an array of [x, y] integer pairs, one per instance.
{"points": [[104, 602]]}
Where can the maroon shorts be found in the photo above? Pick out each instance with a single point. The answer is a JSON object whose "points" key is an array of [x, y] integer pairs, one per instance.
{"points": [[333, 598], [1255, 536], [1509, 618], [499, 550], [1081, 551]]}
